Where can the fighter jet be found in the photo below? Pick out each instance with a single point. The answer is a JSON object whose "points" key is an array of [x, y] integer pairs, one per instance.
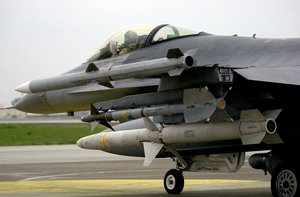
{"points": [[201, 99]]}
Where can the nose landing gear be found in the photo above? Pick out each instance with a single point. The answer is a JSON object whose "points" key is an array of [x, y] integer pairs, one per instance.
{"points": [[174, 181]]}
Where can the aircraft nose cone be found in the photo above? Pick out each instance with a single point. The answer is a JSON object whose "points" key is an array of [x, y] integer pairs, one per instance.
{"points": [[33, 103]]}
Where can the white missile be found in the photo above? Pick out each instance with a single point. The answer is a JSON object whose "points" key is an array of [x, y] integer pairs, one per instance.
{"points": [[134, 142], [174, 64]]}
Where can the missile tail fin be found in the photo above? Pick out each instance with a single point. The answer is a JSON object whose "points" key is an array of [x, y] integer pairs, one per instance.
{"points": [[94, 124], [272, 139], [149, 124], [151, 150], [106, 124], [107, 84], [253, 138], [175, 72], [91, 68], [252, 115], [174, 53], [273, 114], [94, 111], [253, 119]]}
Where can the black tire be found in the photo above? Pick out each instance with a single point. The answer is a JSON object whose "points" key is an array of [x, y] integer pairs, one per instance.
{"points": [[174, 182], [285, 181]]}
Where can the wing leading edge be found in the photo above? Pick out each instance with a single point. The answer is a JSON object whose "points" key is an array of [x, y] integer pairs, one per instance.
{"points": [[283, 75]]}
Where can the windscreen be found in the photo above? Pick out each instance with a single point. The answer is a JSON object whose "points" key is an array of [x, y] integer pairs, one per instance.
{"points": [[123, 41]]}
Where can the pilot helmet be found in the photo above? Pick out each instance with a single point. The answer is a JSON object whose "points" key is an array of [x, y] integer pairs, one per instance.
{"points": [[130, 37]]}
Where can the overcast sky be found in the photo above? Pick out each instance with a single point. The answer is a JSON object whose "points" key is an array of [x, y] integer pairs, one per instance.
{"points": [[40, 38]]}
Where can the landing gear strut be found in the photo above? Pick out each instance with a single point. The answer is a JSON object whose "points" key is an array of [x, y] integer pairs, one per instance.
{"points": [[174, 181]]}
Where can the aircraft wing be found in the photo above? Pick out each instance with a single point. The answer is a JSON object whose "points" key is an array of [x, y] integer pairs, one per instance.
{"points": [[283, 75]]}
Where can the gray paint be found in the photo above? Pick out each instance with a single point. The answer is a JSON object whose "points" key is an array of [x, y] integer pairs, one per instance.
{"points": [[256, 59]]}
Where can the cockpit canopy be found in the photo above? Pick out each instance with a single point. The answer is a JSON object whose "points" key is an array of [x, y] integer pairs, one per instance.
{"points": [[133, 38]]}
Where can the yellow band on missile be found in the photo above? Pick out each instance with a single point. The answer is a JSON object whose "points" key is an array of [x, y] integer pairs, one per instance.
{"points": [[124, 115], [103, 142]]}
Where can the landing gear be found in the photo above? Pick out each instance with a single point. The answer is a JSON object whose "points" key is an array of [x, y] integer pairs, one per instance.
{"points": [[284, 169], [285, 181], [174, 181]]}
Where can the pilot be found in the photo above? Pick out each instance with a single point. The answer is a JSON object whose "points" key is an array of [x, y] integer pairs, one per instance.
{"points": [[130, 42]]}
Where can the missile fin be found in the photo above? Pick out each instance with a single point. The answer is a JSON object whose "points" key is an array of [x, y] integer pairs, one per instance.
{"points": [[174, 53], [272, 139], [253, 138], [191, 52], [178, 156], [175, 72], [220, 115], [94, 110], [272, 113], [107, 84], [195, 95], [201, 104], [252, 115], [94, 124], [149, 124], [106, 124], [151, 150], [91, 68]]}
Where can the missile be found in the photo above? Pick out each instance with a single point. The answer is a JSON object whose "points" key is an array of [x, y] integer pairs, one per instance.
{"points": [[198, 105], [163, 110], [150, 140], [174, 64]]}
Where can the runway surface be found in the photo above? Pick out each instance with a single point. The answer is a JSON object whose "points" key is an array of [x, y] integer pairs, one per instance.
{"points": [[67, 170]]}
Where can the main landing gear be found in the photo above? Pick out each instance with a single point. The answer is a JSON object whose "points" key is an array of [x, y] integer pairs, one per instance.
{"points": [[284, 168], [285, 181]]}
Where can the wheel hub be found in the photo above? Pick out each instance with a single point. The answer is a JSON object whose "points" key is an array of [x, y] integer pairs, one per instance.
{"points": [[286, 183], [170, 182]]}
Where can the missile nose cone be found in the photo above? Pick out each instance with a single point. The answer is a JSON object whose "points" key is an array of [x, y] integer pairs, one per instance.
{"points": [[24, 88], [79, 143], [90, 142]]}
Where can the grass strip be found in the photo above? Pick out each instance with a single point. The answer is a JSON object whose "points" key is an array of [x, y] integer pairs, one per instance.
{"points": [[43, 134]]}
